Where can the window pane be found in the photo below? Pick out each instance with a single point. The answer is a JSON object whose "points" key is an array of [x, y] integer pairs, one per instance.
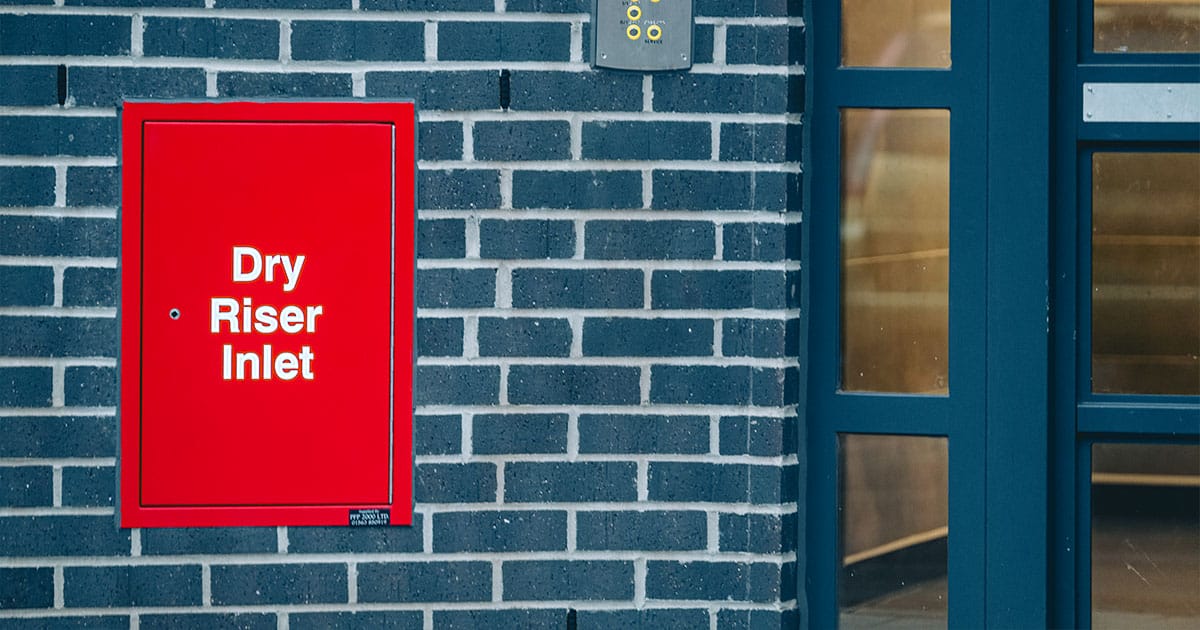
{"points": [[1146, 273], [1145, 536], [896, 33], [1147, 26], [895, 236], [893, 529]]}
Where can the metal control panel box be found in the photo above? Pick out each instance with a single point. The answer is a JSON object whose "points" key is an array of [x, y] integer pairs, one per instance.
{"points": [[642, 35]]}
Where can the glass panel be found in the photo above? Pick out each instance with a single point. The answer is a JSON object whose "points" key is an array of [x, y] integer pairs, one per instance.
{"points": [[895, 235], [1145, 536], [1146, 26], [894, 526], [896, 33], [1146, 273]]}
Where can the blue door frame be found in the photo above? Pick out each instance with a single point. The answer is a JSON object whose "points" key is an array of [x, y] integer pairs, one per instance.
{"points": [[996, 417]]}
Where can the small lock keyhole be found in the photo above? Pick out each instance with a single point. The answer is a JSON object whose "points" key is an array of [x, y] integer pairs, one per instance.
{"points": [[174, 313]]}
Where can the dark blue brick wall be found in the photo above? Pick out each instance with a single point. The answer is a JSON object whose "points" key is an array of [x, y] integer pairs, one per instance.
{"points": [[258, 584], [28, 85], [455, 483], [608, 433], [87, 386], [93, 186], [501, 531], [200, 621], [576, 91], [23, 186], [89, 286], [568, 580], [98, 86], [632, 140], [64, 35], [624, 337], [425, 582], [441, 238], [577, 288], [536, 482], [440, 141], [26, 588], [462, 90], [455, 288], [531, 239], [437, 435], [26, 486], [439, 337], [355, 620], [457, 385], [61, 536], [650, 531], [88, 487], [458, 189], [580, 190], [67, 436], [504, 41], [294, 84], [53, 236], [114, 587], [523, 140], [739, 581], [25, 386], [357, 539], [209, 541], [573, 385], [524, 337], [52, 135]]}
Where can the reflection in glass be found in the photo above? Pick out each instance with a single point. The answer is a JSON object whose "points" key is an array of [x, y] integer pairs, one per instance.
{"points": [[893, 528], [896, 33], [1141, 26], [1146, 273], [1145, 536], [895, 236]]}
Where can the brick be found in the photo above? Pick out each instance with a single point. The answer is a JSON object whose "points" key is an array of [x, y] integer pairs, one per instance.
{"points": [[51, 437], [437, 435], [607, 433], [439, 337], [25, 286], [458, 189], [500, 531], [534, 90], [760, 8], [456, 288], [540, 619], [98, 86], [522, 140], [524, 337], [427, 5], [89, 386], [440, 140], [628, 337], [366, 620], [549, 6], [649, 240], [577, 190], [58, 135], [504, 41], [113, 587], [722, 385], [573, 385], [540, 482], [298, 84], [455, 483], [745, 142], [26, 486], [441, 238], [225, 540], [757, 435], [457, 385], [283, 4], [529, 239], [28, 86], [760, 289], [89, 286], [64, 35], [642, 531], [88, 486], [734, 619], [93, 186], [357, 539], [761, 241], [635, 140], [25, 386], [257, 584], [210, 38], [358, 41], [758, 533], [703, 190], [54, 236], [760, 337], [24, 186], [26, 588], [91, 622], [34, 536], [775, 192], [727, 581], [201, 621], [717, 483], [135, 3], [660, 619], [762, 45], [587, 580], [577, 288], [505, 434], [425, 582], [448, 91], [721, 93], [58, 336]]}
